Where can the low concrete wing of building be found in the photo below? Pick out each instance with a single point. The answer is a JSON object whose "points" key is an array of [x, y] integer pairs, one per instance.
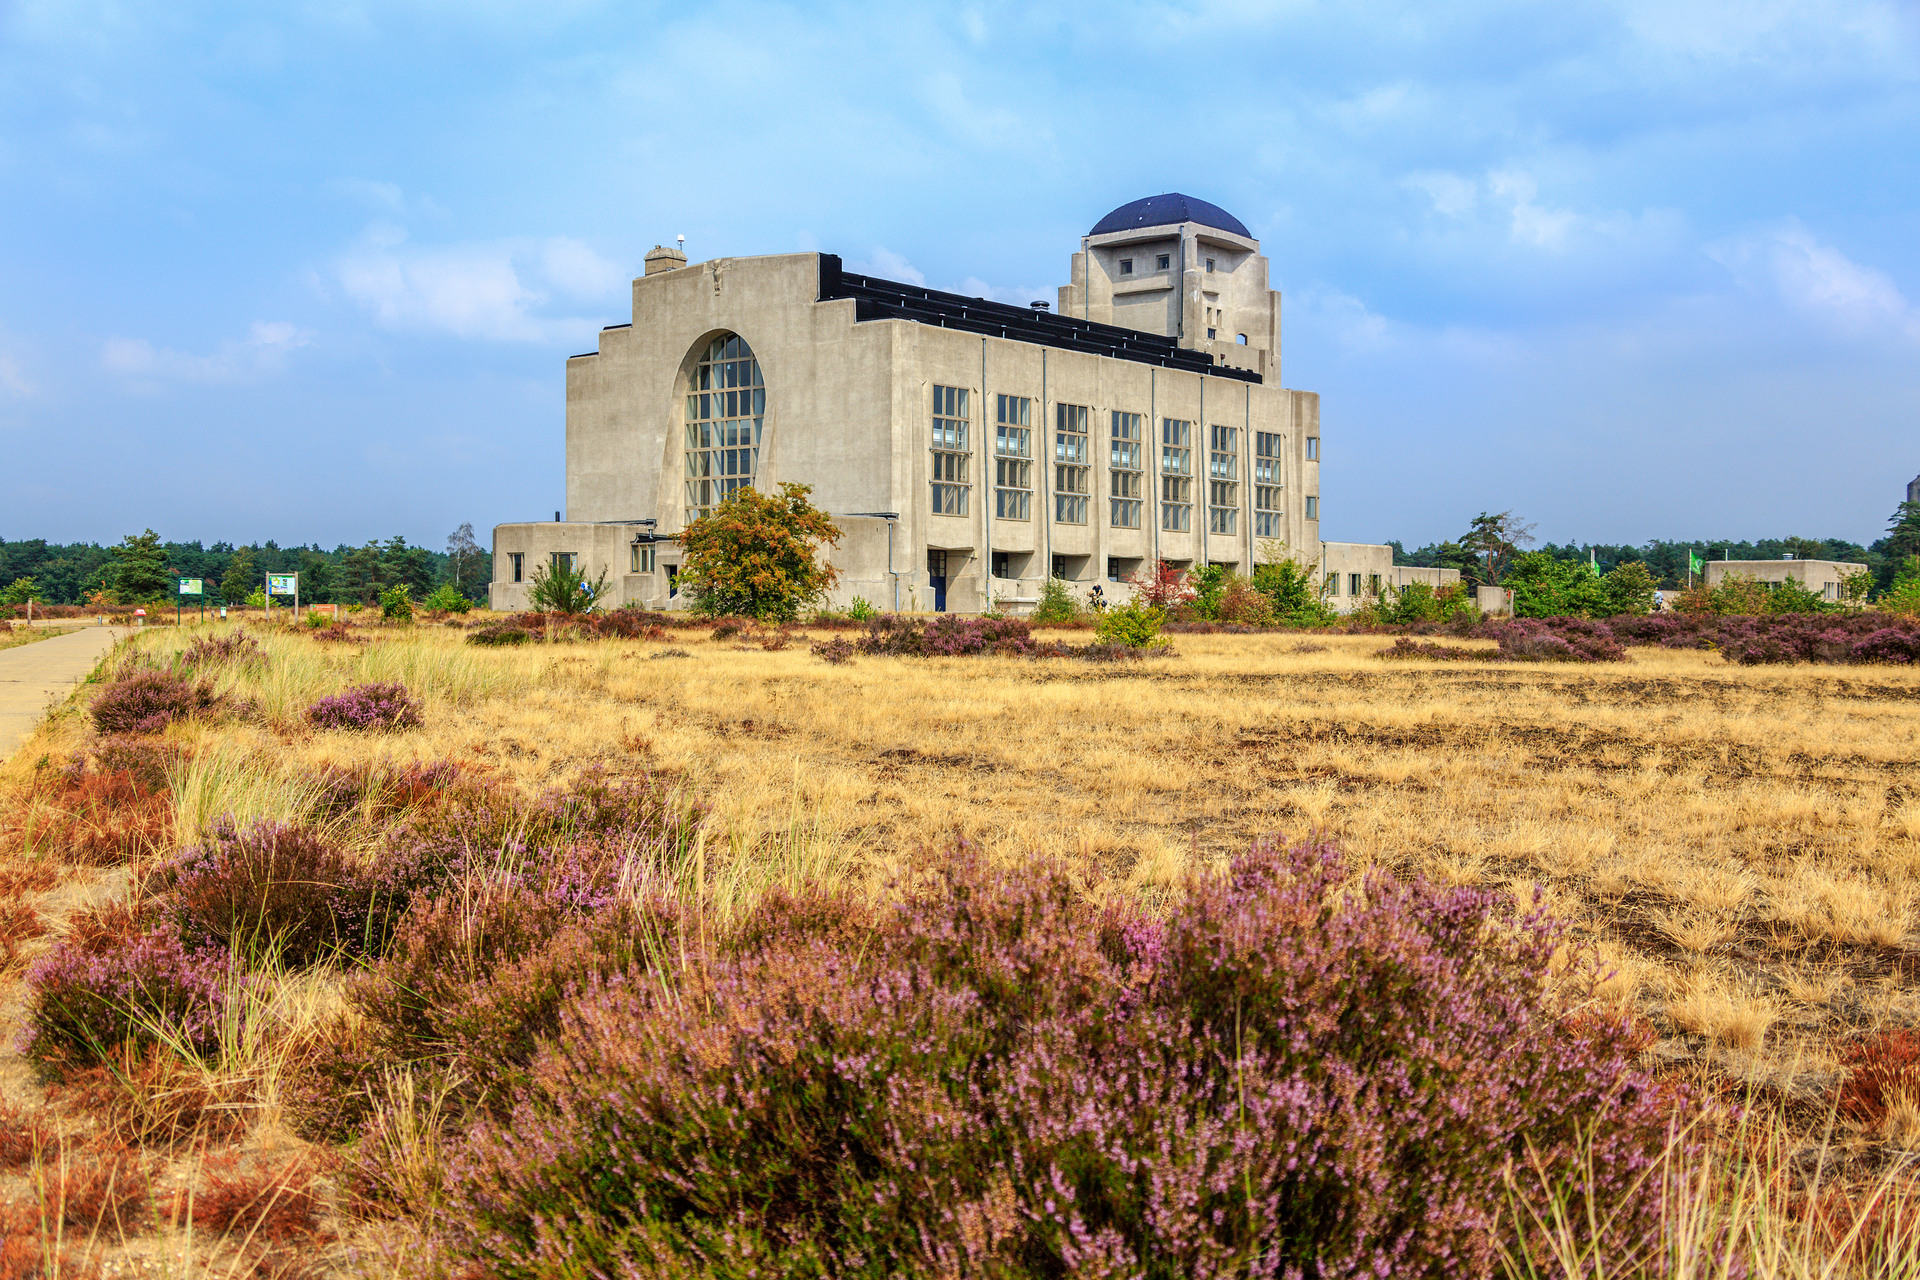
{"points": [[1356, 573], [967, 449], [1825, 578]]}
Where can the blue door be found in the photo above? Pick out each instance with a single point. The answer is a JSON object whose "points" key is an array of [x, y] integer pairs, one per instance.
{"points": [[937, 579]]}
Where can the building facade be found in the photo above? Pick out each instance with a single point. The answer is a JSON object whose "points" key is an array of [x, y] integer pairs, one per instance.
{"points": [[1825, 578], [967, 449]]}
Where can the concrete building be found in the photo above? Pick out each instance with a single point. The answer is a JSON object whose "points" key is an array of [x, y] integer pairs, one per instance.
{"points": [[1913, 489], [967, 449], [1823, 577]]}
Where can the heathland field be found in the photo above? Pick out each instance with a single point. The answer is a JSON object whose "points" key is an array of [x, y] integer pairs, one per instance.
{"points": [[1738, 848]]}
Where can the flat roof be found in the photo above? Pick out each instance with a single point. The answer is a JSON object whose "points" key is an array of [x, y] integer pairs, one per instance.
{"points": [[876, 299]]}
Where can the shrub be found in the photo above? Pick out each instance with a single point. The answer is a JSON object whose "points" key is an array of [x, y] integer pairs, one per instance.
{"points": [[1135, 624], [563, 589], [756, 555], [447, 598], [247, 1197], [1056, 602], [1559, 640], [236, 648], [837, 651], [1165, 588], [86, 1004], [1001, 1078], [102, 1188], [101, 811], [1880, 1071], [396, 603], [1544, 587], [499, 636], [148, 701], [1240, 602], [377, 706], [337, 631], [268, 889], [862, 610]]}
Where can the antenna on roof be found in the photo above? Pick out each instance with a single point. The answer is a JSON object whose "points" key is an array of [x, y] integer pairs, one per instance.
{"points": [[682, 242]]}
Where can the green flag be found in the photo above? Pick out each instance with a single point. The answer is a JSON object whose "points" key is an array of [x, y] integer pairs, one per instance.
{"points": [[1695, 564]]}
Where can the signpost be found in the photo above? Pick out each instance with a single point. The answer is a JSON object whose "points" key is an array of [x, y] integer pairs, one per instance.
{"points": [[190, 587], [283, 584]]}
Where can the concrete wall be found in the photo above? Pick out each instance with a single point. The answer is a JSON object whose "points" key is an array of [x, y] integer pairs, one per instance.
{"points": [[1353, 573], [1823, 577]]}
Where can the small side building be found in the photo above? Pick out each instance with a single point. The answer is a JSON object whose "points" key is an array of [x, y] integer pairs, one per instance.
{"points": [[1822, 577], [1356, 572]]}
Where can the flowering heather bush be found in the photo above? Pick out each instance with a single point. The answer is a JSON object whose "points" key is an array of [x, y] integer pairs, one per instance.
{"points": [[377, 706], [499, 637], [1282, 1078], [836, 651], [378, 790], [87, 1003], [337, 630], [1559, 640], [236, 648], [148, 701], [268, 889], [953, 635]]}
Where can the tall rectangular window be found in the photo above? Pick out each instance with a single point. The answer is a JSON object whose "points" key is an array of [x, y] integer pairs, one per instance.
{"points": [[1353, 584], [1266, 484], [1125, 471], [562, 561], [1313, 508], [1223, 479], [1013, 458], [1313, 448], [1070, 463], [639, 558], [518, 560], [1176, 475], [952, 463]]}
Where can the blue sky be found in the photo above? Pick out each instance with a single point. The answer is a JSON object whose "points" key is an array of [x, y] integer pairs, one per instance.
{"points": [[310, 271]]}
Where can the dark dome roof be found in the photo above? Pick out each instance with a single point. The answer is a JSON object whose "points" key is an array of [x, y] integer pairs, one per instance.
{"points": [[1158, 211]]}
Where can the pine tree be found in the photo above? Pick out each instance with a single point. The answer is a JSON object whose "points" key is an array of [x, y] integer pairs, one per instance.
{"points": [[140, 568], [241, 580]]}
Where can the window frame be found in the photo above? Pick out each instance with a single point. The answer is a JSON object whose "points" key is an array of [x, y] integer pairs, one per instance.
{"points": [[1223, 479], [1125, 470], [1176, 481], [517, 564], [950, 457], [1163, 262], [1313, 506], [724, 425], [1313, 448], [1013, 458], [1126, 266], [1072, 463]]}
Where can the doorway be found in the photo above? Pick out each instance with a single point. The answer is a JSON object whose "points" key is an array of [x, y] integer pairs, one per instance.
{"points": [[937, 579]]}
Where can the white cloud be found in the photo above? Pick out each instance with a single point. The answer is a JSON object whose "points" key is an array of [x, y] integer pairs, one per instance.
{"points": [[888, 265], [262, 352], [13, 378], [1820, 280], [493, 289], [1451, 194], [1531, 223]]}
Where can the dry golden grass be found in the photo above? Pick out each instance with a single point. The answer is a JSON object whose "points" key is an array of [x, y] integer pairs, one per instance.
{"points": [[1738, 847]]}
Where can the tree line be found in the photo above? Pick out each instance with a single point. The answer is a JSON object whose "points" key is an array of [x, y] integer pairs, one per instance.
{"points": [[143, 569], [1491, 542]]}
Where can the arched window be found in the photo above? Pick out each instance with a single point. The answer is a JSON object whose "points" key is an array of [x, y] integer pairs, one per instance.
{"points": [[726, 407]]}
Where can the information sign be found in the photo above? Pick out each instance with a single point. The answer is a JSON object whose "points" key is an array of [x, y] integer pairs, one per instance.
{"points": [[283, 584], [191, 586]]}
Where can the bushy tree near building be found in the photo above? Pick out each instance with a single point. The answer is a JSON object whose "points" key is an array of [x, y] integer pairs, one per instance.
{"points": [[757, 555]]}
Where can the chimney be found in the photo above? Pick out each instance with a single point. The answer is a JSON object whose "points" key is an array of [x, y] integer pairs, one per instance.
{"points": [[660, 258]]}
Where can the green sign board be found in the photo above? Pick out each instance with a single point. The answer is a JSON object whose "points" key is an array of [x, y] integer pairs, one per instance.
{"points": [[283, 584], [190, 586]]}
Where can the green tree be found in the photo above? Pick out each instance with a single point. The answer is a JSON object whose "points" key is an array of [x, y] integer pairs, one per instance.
{"points": [[19, 591], [469, 567], [1544, 587], [757, 555], [1493, 541], [241, 578], [1902, 541], [402, 565], [359, 580], [1629, 588], [1904, 595], [1295, 596], [140, 568], [1056, 602], [317, 576]]}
